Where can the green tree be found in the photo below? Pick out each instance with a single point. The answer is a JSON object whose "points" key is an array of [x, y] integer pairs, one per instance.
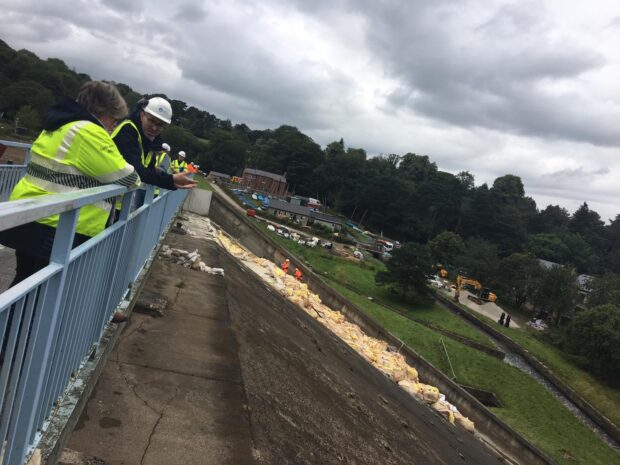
{"points": [[228, 157], [466, 179], [416, 167], [611, 259], [28, 118], [565, 248], [589, 225], [22, 93], [480, 260], [517, 278], [512, 212], [594, 334], [550, 220], [446, 247], [408, 269], [604, 290], [556, 292]]}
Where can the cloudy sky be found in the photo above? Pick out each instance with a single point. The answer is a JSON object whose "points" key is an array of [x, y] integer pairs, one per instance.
{"points": [[526, 87]]}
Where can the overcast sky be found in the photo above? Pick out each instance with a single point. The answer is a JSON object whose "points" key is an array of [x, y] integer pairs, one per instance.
{"points": [[527, 87]]}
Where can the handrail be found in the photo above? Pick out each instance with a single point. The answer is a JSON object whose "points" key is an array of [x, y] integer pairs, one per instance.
{"points": [[24, 211], [11, 174], [17, 145], [51, 322]]}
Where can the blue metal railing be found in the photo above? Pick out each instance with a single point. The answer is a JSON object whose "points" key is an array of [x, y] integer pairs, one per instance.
{"points": [[51, 322], [11, 174]]}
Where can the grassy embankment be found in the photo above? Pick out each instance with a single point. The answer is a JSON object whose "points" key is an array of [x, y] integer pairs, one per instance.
{"points": [[202, 183], [528, 407]]}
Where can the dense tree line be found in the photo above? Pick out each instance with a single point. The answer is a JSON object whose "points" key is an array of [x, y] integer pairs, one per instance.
{"points": [[495, 232]]}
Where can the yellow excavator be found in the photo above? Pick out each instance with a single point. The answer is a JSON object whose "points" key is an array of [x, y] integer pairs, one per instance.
{"points": [[441, 271], [482, 294]]}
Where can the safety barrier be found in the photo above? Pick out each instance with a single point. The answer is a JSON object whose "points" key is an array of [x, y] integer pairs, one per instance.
{"points": [[11, 174], [52, 322]]}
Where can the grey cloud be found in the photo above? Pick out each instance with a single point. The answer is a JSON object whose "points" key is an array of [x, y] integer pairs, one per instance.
{"points": [[123, 6], [33, 29], [490, 73], [277, 89], [577, 174], [190, 12], [76, 13], [615, 22]]}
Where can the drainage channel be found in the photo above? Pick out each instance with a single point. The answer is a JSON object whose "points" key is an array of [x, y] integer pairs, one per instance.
{"points": [[520, 363]]}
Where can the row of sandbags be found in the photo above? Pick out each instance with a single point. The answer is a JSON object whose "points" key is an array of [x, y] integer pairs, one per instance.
{"points": [[377, 352], [187, 259]]}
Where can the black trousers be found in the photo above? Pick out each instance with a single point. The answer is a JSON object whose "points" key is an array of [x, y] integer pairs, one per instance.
{"points": [[27, 265]]}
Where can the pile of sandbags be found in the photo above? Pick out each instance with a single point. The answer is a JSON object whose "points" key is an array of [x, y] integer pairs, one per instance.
{"points": [[201, 227], [187, 259], [377, 352]]}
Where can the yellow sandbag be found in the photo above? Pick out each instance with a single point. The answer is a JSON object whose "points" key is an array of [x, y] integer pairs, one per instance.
{"points": [[464, 422], [430, 394], [445, 409], [410, 386], [412, 374]]}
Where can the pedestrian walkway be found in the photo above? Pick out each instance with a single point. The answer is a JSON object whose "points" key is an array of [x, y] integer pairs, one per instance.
{"points": [[171, 392]]}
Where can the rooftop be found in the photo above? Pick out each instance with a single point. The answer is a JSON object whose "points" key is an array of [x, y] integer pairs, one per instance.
{"points": [[265, 174], [289, 207], [325, 217]]}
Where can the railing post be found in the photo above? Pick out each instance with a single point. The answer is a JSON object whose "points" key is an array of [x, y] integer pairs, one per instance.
{"points": [[44, 329], [122, 219], [138, 256]]}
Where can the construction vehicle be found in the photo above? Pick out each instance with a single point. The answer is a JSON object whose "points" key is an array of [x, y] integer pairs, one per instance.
{"points": [[441, 271], [481, 294]]}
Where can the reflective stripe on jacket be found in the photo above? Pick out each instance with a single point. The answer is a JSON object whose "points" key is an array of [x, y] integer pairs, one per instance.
{"points": [[178, 166], [159, 158], [78, 155]]}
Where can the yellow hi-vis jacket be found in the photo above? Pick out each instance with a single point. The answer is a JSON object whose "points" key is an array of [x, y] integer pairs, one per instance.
{"points": [[78, 155], [145, 158], [159, 159], [178, 166]]}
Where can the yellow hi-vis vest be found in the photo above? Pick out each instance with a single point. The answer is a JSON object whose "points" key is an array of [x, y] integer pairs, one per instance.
{"points": [[145, 158], [78, 155], [176, 166], [159, 158]]}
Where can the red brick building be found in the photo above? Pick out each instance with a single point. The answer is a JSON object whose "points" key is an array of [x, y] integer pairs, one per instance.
{"points": [[264, 182]]}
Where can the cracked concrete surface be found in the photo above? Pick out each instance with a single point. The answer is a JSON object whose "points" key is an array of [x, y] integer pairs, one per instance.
{"points": [[171, 391]]}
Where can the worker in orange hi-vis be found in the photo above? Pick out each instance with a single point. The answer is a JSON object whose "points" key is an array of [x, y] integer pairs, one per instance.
{"points": [[297, 274], [285, 265]]}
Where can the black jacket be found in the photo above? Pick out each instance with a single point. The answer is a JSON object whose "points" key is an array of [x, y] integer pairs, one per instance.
{"points": [[129, 145]]}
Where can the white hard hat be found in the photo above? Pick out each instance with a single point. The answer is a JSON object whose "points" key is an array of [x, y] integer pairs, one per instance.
{"points": [[181, 153], [166, 147], [160, 108]]}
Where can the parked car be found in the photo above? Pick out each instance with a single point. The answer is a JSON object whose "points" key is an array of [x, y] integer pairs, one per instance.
{"points": [[435, 281]]}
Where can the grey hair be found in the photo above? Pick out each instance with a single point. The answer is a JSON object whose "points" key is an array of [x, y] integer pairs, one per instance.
{"points": [[102, 99]]}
